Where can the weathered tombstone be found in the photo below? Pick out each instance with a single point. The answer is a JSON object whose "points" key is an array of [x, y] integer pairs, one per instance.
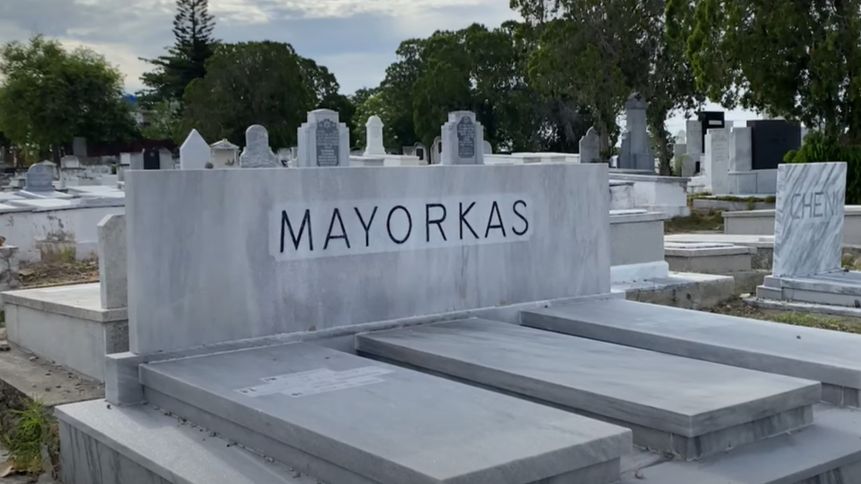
{"points": [[40, 177], [808, 223], [680, 158], [79, 146], [741, 150], [716, 161], [112, 262], [70, 162], [695, 144], [257, 152], [421, 152], [488, 148], [224, 154], [462, 140], [151, 160], [436, 151], [374, 137], [324, 141], [590, 147], [194, 153], [772, 139], [636, 153]]}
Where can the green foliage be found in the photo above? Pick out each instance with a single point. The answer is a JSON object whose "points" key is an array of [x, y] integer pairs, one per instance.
{"points": [[800, 60], [185, 61], [370, 102], [163, 122], [279, 93], [49, 95], [820, 147], [33, 429]]}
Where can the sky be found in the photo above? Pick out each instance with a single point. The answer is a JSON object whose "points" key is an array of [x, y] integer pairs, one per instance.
{"points": [[355, 39]]}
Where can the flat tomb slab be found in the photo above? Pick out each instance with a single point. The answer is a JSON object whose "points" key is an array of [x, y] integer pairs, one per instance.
{"points": [[827, 452], [689, 407], [81, 301], [827, 356], [381, 423]]}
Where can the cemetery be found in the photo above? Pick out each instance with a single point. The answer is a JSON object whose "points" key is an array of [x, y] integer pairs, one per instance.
{"points": [[555, 250]]}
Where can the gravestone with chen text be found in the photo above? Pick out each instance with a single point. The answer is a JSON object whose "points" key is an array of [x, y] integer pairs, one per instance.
{"points": [[40, 177], [462, 140], [324, 141], [257, 152], [808, 225]]}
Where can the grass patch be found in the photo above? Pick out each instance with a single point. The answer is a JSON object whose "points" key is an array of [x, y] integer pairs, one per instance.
{"points": [[33, 434], [737, 307], [711, 221]]}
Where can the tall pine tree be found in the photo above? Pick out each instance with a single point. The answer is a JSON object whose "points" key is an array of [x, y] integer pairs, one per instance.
{"points": [[185, 60]]}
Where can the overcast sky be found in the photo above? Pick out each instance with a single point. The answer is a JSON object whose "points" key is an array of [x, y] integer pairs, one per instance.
{"points": [[355, 39]]}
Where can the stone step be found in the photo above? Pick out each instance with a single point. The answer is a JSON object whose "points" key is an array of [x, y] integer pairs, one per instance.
{"points": [[689, 408], [838, 289], [347, 419], [829, 357], [100, 443], [827, 452]]}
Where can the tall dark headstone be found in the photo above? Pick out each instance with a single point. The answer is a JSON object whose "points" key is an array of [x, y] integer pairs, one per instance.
{"points": [[151, 159], [772, 139], [709, 120]]}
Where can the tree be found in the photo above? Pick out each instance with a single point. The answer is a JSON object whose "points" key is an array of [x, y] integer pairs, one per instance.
{"points": [[800, 60], [252, 83], [185, 61], [49, 95]]}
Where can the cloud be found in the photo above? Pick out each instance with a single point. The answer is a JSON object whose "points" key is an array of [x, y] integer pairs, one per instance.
{"points": [[356, 39]]}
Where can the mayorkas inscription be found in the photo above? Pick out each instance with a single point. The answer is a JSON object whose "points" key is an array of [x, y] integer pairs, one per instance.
{"points": [[326, 229]]}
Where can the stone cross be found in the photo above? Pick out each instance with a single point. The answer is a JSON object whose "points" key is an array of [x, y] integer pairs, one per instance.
{"points": [[40, 177], [194, 153], [112, 262], [374, 137], [808, 224], [324, 141], [590, 147], [257, 153], [462, 140]]}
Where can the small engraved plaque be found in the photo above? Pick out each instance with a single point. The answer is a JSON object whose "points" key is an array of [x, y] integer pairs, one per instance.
{"points": [[466, 138], [328, 141]]}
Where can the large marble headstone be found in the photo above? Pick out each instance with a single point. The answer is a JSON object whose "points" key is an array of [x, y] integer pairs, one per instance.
{"points": [[318, 249], [590, 147], [808, 224], [716, 161], [374, 137], [462, 140], [195, 152], [257, 152], [324, 141], [636, 153], [40, 178], [694, 142]]}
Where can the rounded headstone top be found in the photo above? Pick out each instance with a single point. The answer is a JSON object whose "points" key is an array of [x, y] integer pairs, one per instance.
{"points": [[374, 121], [256, 134], [636, 101]]}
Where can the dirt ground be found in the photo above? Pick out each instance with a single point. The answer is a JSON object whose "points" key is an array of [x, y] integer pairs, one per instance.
{"points": [[58, 273], [739, 308]]}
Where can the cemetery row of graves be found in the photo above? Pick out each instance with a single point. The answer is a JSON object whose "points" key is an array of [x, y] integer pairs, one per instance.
{"points": [[374, 318]]}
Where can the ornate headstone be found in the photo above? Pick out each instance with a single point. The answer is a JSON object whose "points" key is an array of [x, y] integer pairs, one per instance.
{"points": [[462, 140], [257, 153], [194, 153], [374, 137], [590, 147], [324, 141], [636, 153], [40, 177]]}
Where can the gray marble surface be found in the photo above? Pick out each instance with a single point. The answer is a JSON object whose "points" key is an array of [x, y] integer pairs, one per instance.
{"points": [[809, 216], [202, 270], [113, 261], [654, 390], [815, 354], [385, 423]]}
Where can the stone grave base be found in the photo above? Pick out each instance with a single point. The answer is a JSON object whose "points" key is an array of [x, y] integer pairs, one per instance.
{"points": [[66, 325], [664, 194], [734, 203], [833, 289], [681, 289], [716, 258], [761, 259], [804, 307], [637, 246]]}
